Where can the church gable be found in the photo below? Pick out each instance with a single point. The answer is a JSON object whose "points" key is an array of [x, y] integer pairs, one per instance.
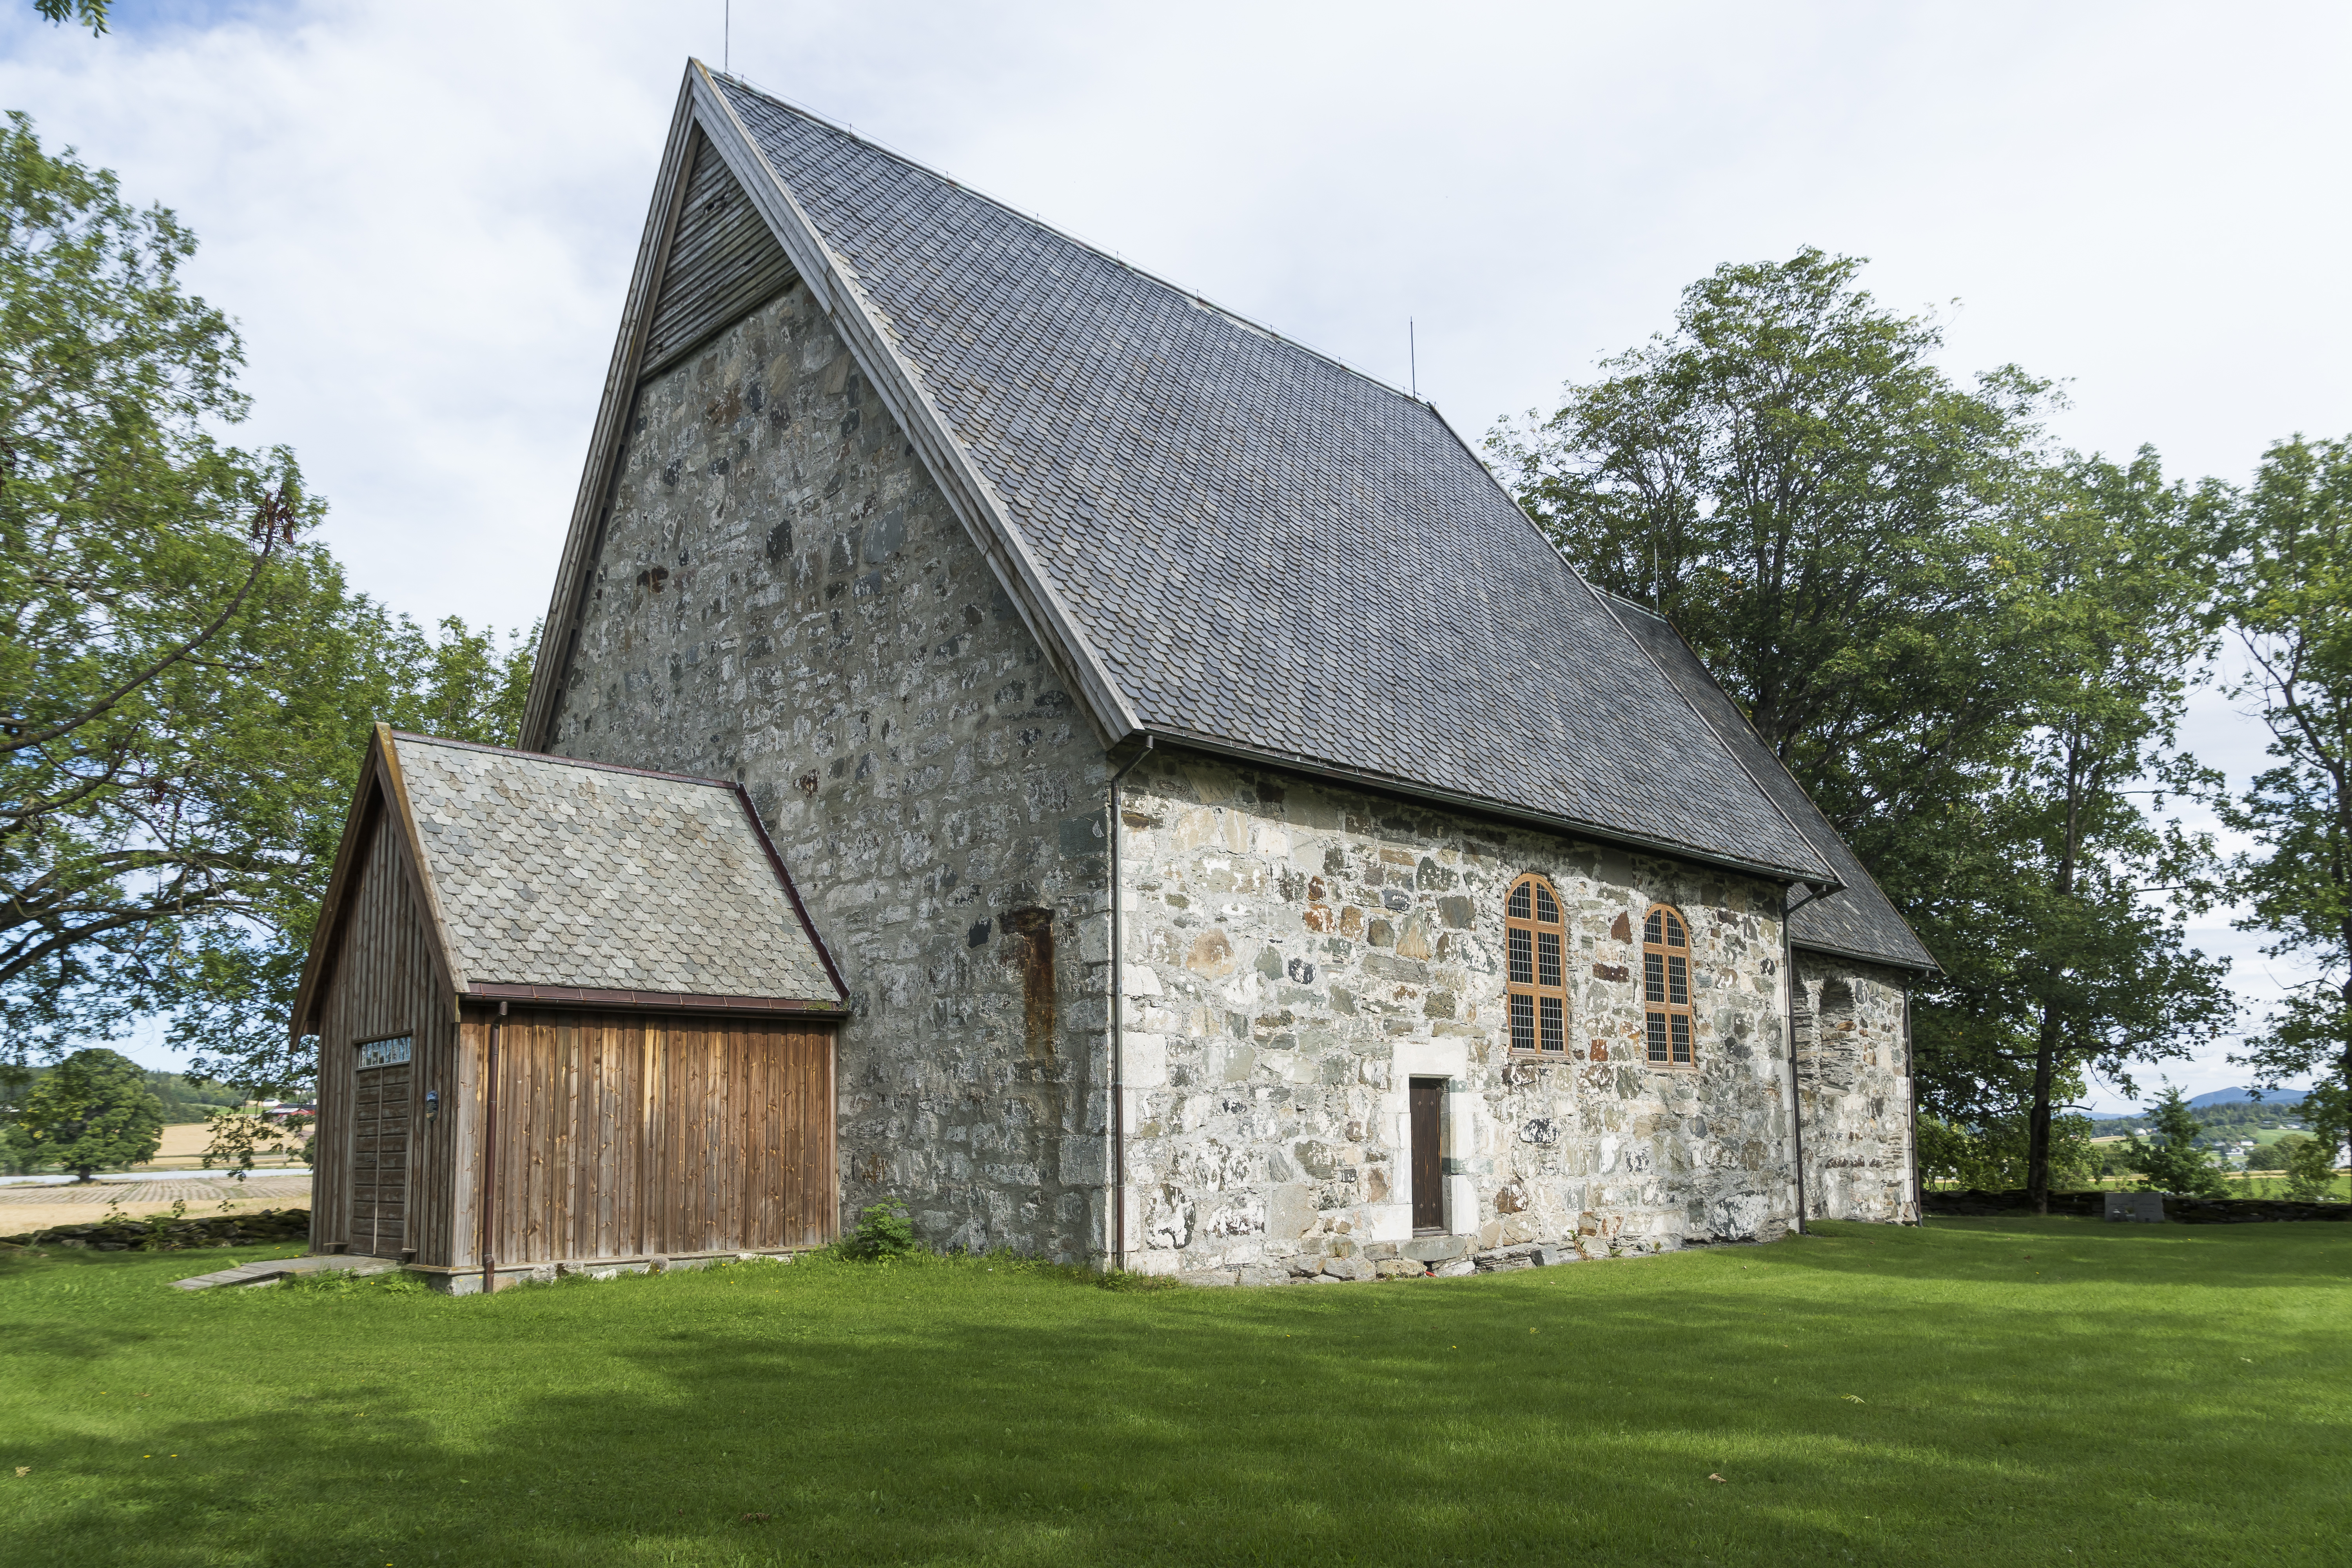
{"points": [[1220, 538], [722, 263]]}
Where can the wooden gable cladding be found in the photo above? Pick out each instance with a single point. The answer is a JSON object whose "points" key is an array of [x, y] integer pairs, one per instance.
{"points": [[379, 981], [723, 262], [630, 1134]]}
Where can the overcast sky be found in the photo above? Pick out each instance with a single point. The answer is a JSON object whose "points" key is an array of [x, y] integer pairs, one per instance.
{"points": [[424, 214]]}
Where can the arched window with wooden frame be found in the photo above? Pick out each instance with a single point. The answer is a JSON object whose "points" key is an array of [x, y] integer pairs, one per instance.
{"points": [[1667, 986], [1535, 936]]}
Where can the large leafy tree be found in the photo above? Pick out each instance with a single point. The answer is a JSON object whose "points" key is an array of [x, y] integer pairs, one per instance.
{"points": [[185, 678], [93, 1111], [2288, 596], [2058, 903], [1790, 477], [1969, 651]]}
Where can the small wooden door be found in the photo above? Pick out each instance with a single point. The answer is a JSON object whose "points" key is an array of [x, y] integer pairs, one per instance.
{"points": [[380, 1149], [1428, 1169]]}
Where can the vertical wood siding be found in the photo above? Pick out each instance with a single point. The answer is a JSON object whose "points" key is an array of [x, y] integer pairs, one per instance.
{"points": [[630, 1135], [380, 983]]}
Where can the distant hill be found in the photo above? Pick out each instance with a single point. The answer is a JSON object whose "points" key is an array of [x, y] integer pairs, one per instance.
{"points": [[2243, 1095]]}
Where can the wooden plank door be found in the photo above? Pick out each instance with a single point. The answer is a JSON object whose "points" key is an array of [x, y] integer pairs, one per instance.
{"points": [[1428, 1169], [379, 1159]]}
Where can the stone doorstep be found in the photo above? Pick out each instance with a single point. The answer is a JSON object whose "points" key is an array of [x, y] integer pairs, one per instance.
{"points": [[270, 1271], [1527, 1255]]}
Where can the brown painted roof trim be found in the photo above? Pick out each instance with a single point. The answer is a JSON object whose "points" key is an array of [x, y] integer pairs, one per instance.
{"points": [[668, 1001], [759, 828], [420, 872], [776, 862], [561, 633]]}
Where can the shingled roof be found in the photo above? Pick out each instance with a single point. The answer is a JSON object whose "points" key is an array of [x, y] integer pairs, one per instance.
{"points": [[1856, 920], [579, 881], [1225, 538]]}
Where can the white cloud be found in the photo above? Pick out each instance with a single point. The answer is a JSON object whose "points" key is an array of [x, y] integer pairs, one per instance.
{"points": [[425, 214]]}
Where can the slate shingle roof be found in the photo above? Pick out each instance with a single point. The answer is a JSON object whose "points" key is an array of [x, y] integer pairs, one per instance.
{"points": [[554, 873], [1855, 919], [1262, 548]]}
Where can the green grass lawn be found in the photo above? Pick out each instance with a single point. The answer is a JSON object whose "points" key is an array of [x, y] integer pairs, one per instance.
{"points": [[1982, 1392]]}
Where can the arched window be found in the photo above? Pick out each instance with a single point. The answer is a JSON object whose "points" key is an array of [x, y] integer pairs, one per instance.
{"points": [[1533, 932], [1666, 987]]}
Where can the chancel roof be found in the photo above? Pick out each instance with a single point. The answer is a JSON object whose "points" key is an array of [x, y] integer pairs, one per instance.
{"points": [[1856, 920], [1226, 539]]}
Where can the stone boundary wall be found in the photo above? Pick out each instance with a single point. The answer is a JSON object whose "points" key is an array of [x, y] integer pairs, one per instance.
{"points": [[1973, 1202]]}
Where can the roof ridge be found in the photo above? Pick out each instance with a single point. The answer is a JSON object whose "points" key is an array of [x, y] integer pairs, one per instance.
{"points": [[1204, 301], [561, 762]]}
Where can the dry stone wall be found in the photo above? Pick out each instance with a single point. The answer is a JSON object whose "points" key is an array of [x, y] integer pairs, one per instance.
{"points": [[1296, 952], [783, 597], [1854, 1070]]}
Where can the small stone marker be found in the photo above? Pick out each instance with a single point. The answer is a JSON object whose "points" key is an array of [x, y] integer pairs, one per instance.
{"points": [[2148, 1209]]}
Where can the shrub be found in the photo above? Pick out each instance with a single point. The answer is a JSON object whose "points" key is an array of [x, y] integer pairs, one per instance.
{"points": [[2310, 1168], [883, 1231]]}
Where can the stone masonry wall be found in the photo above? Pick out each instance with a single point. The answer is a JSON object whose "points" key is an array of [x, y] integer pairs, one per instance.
{"points": [[1854, 1070], [1295, 952], [783, 597]]}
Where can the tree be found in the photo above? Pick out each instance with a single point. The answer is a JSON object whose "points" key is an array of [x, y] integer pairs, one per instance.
{"points": [[186, 680], [1968, 650], [91, 13], [2288, 598], [2175, 1163], [1992, 1155], [2060, 906], [92, 1111], [2310, 1167], [2273, 1156], [1789, 478]]}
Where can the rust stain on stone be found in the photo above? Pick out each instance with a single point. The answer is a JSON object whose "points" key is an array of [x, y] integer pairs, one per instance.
{"points": [[1029, 947]]}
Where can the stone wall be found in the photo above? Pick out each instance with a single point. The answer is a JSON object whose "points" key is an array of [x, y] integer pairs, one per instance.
{"points": [[1295, 952], [1853, 1068], [783, 597]]}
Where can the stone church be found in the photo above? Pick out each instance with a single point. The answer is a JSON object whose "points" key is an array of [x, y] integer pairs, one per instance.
{"points": [[1249, 849]]}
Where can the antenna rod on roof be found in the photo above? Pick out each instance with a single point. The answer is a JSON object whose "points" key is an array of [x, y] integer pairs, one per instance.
{"points": [[726, 35], [1412, 358]]}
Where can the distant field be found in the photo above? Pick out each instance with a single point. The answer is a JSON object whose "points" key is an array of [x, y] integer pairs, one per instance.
{"points": [[23, 1209], [1982, 1392]]}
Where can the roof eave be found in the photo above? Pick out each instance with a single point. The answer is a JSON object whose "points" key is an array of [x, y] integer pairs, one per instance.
{"points": [[974, 498], [1927, 965], [1819, 875]]}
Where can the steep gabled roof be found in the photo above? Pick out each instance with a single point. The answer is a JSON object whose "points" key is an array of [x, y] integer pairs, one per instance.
{"points": [[542, 876], [1221, 537], [1856, 920]]}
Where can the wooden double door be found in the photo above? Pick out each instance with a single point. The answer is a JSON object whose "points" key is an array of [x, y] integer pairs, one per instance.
{"points": [[379, 1122]]}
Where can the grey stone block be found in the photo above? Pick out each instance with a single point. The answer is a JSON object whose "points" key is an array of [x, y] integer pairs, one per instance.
{"points": [[1435, 1248], [1209, 1278], [2146, 1208]]}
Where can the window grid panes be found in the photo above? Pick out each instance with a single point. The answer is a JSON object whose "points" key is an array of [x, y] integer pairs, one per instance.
{"points": [[1535, 941], [1666, 988]]}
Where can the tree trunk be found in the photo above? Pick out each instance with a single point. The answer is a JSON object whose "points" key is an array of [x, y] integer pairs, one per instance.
{"points": [[83, 1174], [2037, 1117]]}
